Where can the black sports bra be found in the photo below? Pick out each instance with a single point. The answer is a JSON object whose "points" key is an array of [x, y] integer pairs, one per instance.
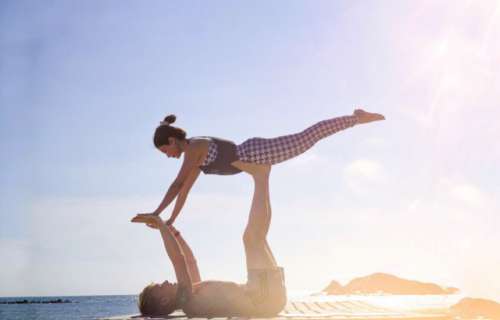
{"points": [[226, 154]]}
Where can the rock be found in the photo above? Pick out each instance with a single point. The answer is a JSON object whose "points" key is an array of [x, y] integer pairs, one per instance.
{"points": [[24, 301], [334, 288], [388, 284], [472, 308]]}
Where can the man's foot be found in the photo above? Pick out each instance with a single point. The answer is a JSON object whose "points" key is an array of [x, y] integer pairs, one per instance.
{"points": [[365, 117]]}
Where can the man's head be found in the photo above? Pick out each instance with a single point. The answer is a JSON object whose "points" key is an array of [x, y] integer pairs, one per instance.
{"points": [[158, 299]]}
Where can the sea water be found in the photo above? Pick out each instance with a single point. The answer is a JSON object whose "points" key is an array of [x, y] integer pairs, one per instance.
{"points": [[80, 308]]}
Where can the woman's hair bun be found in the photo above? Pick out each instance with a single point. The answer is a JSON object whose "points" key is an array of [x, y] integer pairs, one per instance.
{"points": [[170, 118]]}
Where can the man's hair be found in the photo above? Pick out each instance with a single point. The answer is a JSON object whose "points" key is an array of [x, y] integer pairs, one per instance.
{"points": [[152, 303]]}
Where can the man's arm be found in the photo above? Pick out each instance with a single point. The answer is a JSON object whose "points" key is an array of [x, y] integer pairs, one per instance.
{"points": [[179, 249], [176, 255], [192, 265]]}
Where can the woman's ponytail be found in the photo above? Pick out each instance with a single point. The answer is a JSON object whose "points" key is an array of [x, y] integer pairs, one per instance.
{"points": [[170, 118], [165, 131]]}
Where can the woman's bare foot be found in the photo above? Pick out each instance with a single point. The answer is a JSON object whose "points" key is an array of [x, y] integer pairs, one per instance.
{"points": [[365, 117]]}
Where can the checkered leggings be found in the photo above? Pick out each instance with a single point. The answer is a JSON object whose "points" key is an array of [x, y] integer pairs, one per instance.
{"points": [[279, 149]]}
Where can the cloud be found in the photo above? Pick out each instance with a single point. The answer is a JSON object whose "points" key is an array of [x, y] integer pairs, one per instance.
{"points": [[362, 174], [469, 194], [460, 193]]}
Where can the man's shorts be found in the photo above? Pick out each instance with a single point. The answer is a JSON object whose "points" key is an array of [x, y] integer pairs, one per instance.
{"points": [[266, 290]]}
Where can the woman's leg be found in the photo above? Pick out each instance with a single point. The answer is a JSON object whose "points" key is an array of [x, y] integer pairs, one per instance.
{"points": [[279, 149], [258, 253]]}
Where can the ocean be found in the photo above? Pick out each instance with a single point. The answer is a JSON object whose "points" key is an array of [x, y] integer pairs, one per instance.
{"points": [[95, 307], [80, 308]]}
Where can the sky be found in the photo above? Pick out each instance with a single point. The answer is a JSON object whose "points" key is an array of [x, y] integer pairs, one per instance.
{"points": [[84, 85]]}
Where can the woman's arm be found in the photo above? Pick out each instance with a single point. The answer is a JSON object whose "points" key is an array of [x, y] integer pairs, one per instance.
{"points": [[189, 165], [183, 193], [172, 192]]}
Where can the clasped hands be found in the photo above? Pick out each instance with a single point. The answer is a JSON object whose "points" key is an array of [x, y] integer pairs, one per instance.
{"points": [[151, 220]]}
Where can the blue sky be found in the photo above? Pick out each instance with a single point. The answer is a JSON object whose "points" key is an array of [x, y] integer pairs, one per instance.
{"points": [[83, 86]]}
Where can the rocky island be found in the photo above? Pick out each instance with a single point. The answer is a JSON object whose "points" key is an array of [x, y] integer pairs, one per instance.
{"points": [[383, 283]]}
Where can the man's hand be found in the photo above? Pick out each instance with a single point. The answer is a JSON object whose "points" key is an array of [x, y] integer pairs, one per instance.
{"points": [[170, 221]]}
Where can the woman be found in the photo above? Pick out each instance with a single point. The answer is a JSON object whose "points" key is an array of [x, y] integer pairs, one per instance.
{"points": [[219, 156]]}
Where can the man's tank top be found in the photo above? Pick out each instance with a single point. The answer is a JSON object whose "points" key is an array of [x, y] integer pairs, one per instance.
{"points": [[221, 153]]}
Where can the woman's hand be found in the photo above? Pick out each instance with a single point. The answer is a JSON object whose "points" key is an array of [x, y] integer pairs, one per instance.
{"points": [[153, 226], [150, 219]]}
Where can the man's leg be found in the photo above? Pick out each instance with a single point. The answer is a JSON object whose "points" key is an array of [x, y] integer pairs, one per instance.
{"points": [[268, 226], [257, 251]]}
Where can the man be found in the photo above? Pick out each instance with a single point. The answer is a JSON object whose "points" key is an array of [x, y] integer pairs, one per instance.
{"points": [[264, 294]]}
